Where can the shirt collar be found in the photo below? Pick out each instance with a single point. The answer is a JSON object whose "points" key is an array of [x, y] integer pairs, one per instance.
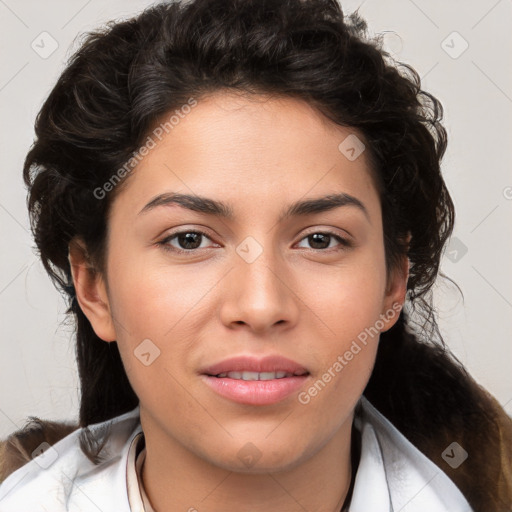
{"points": [[394, 475], [139, 502], [371, 491]]}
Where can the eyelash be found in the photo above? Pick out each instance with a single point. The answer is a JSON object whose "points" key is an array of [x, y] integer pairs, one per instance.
{"points": [[345, 243]]}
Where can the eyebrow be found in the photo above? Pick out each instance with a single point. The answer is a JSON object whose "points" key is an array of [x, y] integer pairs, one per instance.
{"points": [[219, 209]]}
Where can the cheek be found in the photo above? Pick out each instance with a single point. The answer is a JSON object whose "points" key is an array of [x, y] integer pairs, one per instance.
{"points": [[345, 343], [152, 319], [153, 300], [345, 306], [347, 299], [158, 310]]}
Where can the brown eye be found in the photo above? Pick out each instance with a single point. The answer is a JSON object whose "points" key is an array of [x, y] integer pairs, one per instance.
{"points": [[185, 241], [323, 240]]}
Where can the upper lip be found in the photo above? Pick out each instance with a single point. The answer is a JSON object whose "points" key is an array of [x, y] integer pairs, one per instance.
{"points": [[271, 363]]}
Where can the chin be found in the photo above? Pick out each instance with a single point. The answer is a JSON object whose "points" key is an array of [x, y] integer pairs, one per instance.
{"points": [[251, 459]]}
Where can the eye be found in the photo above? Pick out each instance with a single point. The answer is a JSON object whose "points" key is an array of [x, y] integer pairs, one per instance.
{"points": [[187, 241], [322, 240]]}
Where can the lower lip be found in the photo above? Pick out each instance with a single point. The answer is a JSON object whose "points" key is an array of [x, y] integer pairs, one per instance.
{"points": [[255, 392]]}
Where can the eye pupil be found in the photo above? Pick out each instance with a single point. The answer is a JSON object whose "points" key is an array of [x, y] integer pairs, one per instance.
{"points": [[185, 239], [319, 238]]}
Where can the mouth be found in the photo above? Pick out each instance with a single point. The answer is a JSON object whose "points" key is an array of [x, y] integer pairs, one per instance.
{"points": [[251, 376], [251, 380]]}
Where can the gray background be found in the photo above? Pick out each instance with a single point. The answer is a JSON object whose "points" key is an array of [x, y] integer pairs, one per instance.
{"points": [[38, 372]]}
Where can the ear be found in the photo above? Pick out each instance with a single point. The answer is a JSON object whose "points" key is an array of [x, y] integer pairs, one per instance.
{"points": [[91, 291], [396, 291]]}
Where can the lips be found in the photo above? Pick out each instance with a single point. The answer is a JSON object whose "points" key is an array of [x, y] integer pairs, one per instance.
{"points": [[251, 364], [252, 381]]}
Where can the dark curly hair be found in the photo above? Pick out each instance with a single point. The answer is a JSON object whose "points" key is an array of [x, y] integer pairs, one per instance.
{"points": [[125, 77]]}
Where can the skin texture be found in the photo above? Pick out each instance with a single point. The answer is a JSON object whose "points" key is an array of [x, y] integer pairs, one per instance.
{"points": [[306, 303]]}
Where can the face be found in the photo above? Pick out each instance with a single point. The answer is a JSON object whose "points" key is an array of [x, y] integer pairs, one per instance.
{"points": [[188, 288]]}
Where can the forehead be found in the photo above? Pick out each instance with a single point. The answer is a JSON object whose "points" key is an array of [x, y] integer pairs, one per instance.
{"points": [[260, 147]]}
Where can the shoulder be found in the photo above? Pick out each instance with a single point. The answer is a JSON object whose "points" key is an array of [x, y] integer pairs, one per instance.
{"points": [[21, 446], [428, 395], [59, 476], [409, 479]]}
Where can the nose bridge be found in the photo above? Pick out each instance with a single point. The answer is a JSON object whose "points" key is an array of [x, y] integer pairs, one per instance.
{"points": [[257, 266], [259, 294]]}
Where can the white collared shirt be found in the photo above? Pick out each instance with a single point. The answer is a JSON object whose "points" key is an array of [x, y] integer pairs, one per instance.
{"points": [[392, 476]]}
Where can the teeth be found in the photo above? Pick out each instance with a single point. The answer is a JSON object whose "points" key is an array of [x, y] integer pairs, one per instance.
{"points": [[255, 375], [248, 375]]}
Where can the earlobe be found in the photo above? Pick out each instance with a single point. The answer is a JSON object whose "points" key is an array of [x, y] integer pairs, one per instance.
{"points": [[395, 293], [91, 292]]}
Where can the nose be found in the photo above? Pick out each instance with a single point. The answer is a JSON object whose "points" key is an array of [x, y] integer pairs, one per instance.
{"points": [[260, 295]]}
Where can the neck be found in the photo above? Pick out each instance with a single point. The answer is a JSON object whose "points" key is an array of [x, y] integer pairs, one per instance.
{"points": [[176, 479]]}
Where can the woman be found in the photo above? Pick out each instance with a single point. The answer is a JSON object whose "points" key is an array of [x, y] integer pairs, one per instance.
{"points": [[243, 202]]}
